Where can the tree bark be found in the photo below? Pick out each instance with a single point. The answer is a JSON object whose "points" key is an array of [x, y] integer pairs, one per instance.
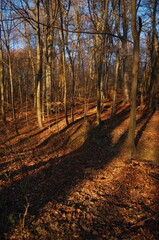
{"points": [[63, 64], [125, 49], [153, 57], [39, 66], [49, 45], [115, 83], [99, 92], [12, 94], [136, 36], [1, 78]]}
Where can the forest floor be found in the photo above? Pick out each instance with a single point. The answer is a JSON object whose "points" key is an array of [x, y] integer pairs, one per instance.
{"points": [[75, 182]]}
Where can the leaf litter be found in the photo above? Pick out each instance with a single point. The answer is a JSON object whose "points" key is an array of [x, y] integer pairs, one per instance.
{"points": [[76, 183]]}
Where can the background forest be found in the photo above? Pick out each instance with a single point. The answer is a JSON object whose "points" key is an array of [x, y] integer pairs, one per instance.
{"points": [[55, 52], [79, 119]]}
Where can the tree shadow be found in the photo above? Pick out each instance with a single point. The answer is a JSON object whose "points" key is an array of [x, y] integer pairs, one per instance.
{"points": [[146, 116], [31, 135]]}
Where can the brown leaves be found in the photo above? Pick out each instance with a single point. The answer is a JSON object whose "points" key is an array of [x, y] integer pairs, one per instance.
{"points": [[76, 188]]}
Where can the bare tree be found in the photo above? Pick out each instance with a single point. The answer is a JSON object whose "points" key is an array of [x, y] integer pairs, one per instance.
{"points": [[136, 50], [38, 64], [63, 58], [1, 77], [153, 56], [7, 40], [51, 13]]}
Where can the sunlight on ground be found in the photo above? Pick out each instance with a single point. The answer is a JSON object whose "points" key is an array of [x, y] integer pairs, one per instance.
{"points": [[148, 146]]}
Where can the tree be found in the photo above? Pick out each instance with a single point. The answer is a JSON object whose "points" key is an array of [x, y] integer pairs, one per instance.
{"points": [[63, 58], [38, 64], [7, 40], [125, 22], [51, 13], [153, 57], [99, 14], [115, 81], [135, 70], [1, 77]]}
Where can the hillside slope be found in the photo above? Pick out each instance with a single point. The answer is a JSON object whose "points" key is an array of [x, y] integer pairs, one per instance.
{"points": [[75, 182]]}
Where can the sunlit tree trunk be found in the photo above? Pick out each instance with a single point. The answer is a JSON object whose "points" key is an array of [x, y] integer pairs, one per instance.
{"points": [[135, 70], [39, 66], [49, 46]]}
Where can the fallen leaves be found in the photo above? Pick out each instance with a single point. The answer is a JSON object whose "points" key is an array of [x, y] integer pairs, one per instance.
{"points": [[79, 188]]}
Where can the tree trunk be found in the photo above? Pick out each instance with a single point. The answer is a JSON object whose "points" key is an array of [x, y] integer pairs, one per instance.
{"points": [[1, 79], [33, 68], [99, 92], [125, 20], [115, 83], [125, 73], [39, 67], [153, 57], [49, 43], [12, 94], [73, 78], [73, 84], [63, 64], [136, 36]]}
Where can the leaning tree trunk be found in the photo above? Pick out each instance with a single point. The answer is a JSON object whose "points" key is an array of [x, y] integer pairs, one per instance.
{"points": [[135, 70]]}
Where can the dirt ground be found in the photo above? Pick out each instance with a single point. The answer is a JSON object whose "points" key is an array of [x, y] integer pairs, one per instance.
{"points": [[75, 182]]}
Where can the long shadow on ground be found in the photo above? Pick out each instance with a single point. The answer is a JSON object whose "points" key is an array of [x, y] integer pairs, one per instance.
{"points": [[53, 180]]}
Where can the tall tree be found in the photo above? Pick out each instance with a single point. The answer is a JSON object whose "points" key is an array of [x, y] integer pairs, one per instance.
{"points": [[1, 76], [135, 70], [51, 12], [153, 55], [63, 58], [99, 15], [38, 64], [115, 81], [7, 43], [125, 23]]}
